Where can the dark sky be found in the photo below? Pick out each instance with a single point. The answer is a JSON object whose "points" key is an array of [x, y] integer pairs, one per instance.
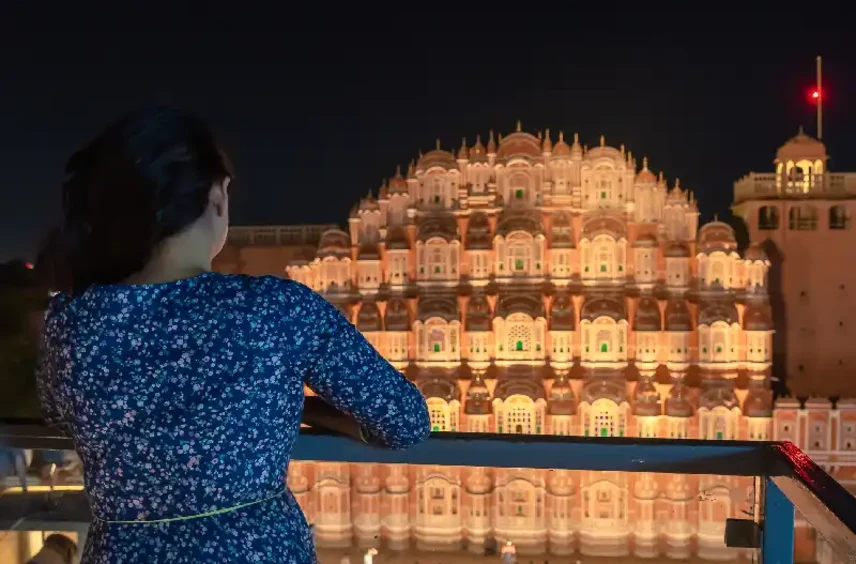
{"points": [[317, 105]]}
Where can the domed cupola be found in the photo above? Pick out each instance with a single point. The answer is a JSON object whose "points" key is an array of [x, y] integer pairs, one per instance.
{"points": [[645, 176]]}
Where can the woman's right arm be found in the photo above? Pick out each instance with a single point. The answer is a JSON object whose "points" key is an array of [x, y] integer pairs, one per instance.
{"points": [[344, 370]]}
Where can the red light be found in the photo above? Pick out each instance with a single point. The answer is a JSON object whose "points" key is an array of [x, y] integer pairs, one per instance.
{"points": [[29, 266], [815, 95]]}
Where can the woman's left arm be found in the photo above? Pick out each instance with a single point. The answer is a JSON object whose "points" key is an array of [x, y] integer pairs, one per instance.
{"points": [[46, 382]]}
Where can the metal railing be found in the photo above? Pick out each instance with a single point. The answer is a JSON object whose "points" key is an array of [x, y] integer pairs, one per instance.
{"points": [[770, 185], [789, 479]]}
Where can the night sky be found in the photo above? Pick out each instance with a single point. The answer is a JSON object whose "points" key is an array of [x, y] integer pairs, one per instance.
{"points": [[317, 106]]}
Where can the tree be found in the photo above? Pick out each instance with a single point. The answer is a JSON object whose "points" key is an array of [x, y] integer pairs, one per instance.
{"points": [[22, 303]]}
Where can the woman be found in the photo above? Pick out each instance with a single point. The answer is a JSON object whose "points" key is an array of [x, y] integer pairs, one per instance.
{"points": [[183, 388]]}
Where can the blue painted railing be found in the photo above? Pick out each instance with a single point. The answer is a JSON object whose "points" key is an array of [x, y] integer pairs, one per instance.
{"points": [[790, 478]]}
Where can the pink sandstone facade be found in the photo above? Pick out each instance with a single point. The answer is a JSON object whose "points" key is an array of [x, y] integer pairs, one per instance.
{"points": [[537, 288]]}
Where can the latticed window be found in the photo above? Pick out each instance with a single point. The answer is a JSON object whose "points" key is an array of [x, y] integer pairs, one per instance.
{"points": [[519, 420], [438, 418], [604, 424], [519, 338]]}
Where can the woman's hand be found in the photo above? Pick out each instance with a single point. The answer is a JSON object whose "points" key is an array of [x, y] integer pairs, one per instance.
{"points": [[319, 414]]}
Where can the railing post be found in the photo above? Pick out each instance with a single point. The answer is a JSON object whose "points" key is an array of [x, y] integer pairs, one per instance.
{"points": [[777, 540]]}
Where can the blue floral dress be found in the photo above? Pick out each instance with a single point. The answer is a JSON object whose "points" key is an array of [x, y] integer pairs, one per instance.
{"points": [[185, 397]]}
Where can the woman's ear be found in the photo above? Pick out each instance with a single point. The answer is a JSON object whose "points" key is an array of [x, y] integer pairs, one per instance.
{"points": [[219, 195]]}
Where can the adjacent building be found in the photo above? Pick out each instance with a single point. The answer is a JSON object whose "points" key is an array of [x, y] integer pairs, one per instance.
{"points": [[803, 210], [263, 250]]}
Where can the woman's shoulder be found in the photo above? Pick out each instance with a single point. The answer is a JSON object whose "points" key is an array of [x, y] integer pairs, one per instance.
{"points": [[268, 285], [270, 288]]}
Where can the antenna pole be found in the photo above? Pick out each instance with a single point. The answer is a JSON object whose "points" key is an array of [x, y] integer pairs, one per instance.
{"points": [[819, 101]]}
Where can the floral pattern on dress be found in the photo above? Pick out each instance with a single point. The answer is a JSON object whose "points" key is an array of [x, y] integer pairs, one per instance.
{"points": [[186, 397]]}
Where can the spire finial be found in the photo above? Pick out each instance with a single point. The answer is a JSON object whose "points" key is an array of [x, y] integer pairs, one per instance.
{"points": [[715, 217], [644, 163], [438, 143], [547, 133], [398, 171], [801, 132], [519, 126], [678, 183], [463, 141], [478, 138], [602, 141], [561, 136], [621, 148], [576, 137], [540, 135]]}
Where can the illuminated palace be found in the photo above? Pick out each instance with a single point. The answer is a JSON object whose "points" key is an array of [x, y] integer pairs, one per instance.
{"points": [[533, 285]]}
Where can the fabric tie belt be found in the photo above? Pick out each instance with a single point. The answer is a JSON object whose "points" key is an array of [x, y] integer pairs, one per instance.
{"points": [[197, 516]]}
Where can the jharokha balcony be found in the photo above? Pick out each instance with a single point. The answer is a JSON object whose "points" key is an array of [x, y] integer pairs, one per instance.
{"points": [[459, 496]]}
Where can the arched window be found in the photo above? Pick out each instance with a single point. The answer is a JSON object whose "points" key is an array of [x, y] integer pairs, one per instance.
{"points": [[768, 218], [604, 420], [519, 248], [838, 217], [604, 257], [435, 340], [802, 218], [438, 412], [520, 499], [518, 183], [717, 272], [436, 190], [520, 416]]}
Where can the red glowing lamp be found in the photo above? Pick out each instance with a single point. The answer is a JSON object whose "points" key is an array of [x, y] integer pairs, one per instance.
{"points": [[29, 266], [815, 94]]}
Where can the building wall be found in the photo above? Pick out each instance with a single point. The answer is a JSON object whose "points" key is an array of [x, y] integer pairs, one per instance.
{"points": [[806, 217], [266, 250]]}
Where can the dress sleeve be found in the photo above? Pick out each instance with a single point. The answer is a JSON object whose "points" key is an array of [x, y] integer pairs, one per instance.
{"points": [[344, 370], [46, 380]]}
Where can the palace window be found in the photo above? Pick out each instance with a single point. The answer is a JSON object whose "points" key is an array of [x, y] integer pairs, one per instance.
{"points": [[768, 218], [518, 194], [838, 218], [518, 338], [802, 218], [435, 340]]}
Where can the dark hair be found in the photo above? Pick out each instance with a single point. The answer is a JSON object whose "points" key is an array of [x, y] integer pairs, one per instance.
{"points": [[144, 178], [62, 544]]}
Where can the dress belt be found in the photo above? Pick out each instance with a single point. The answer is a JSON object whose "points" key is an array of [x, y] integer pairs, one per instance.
{"points": [[189, 517]]}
